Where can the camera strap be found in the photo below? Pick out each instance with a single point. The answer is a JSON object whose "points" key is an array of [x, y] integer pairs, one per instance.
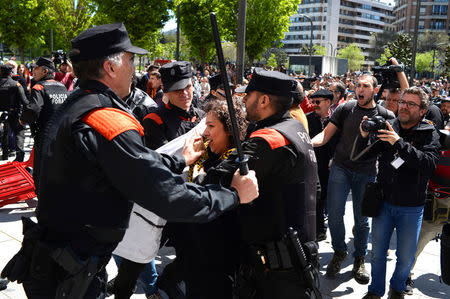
{"points": [[363, 151]]}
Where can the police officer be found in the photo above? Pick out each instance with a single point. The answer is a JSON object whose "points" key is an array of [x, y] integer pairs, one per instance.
{"points": [[178, 116], [46, 96], [139, 101], [162, 125], [12, 100], [284, 161], [94, 166]]}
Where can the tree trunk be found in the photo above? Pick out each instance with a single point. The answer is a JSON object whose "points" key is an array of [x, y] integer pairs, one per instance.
{"points": [[22, 55]]}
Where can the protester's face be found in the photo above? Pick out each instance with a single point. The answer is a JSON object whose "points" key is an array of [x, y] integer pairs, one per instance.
{"points": [[155, 83], [125, 75], [445, 108], [219, 140], [39, 72], [321, 106], [364, 91], [409, 115], [63, 68], [251, 105], [182, 98], [392, 101], [336, 94], [21, 69]]}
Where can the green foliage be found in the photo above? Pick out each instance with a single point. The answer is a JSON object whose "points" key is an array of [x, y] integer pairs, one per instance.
{"points": [[354, 56], [281, 56], [267, 20], [142, 18], [23, 23], [401, 49], [68, 20], [424, 62], [196, 25], [319, 50], [305, 50], [432, 41], [379, 42], [447, 61], [272, 61]]}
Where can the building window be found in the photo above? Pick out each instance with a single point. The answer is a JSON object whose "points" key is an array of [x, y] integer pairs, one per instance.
{"points": [[421, 24]]}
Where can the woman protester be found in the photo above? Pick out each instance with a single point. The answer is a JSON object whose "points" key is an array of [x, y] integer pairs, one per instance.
{"points": [[212, 257]]}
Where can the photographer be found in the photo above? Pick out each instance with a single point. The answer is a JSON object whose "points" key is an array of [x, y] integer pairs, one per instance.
{"points": [[408, 150]]}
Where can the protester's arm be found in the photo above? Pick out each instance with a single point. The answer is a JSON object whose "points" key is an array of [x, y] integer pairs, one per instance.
{"points": [[323, 137], [401, 76]]}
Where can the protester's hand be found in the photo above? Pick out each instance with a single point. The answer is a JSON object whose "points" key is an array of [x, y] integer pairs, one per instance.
{"points": [[388, 135], [246, 186], [193, 148], [393, 61], [364, 134]]}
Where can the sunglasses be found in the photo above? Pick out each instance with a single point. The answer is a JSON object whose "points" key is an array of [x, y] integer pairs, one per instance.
{"points": [[317, 102]]}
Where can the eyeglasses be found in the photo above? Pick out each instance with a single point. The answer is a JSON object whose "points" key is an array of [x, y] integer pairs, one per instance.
{"points": [[408, 104], [317, 102]]}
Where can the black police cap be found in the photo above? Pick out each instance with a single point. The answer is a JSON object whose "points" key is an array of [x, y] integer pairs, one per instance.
{"points": [[322, 93], [42, 61], [101, 41], [271, 82], [175, 75], [216, 82]]}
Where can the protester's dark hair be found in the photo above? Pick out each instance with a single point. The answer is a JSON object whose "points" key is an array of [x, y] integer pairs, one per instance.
{"points": [[340, 87], [93, 69], [395, 90], [50, 72], [424, 101], [374, 80], [220, 109], [156, 74]]}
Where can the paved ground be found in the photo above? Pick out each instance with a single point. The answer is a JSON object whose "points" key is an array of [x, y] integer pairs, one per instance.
{"points": [[427, 270]]}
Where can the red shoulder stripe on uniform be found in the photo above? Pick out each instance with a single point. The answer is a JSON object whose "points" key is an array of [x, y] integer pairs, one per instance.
{"points": [[38, 87], [110, 122], [274, 138], [155, 117]]}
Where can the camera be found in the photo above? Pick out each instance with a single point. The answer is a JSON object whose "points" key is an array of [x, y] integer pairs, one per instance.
{"points": [[59, 57], [373, 124], [387, 74]]}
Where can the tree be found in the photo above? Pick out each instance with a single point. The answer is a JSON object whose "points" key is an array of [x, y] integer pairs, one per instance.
{"points": [[379, 42], [68, 18], [272, 61], [354, 56], [424, 62], [447, 62], [23, 23], [267, 21], [281, 56], [432, 41], [196, 25], [319, 50], [142, 18], [400, 49]]}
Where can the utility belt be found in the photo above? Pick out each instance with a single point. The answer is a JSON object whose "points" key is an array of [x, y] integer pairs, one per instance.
{"points": [[41, 259]]}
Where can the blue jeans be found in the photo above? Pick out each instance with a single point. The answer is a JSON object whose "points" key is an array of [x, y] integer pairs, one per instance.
{"points": [[339, 184], [147, 278], [407, 222]]}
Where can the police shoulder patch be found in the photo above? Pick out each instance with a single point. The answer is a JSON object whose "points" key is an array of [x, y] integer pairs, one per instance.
{"points": [[38, 87], [18, 84], [110, 122], [274, 138], [155, 117]]}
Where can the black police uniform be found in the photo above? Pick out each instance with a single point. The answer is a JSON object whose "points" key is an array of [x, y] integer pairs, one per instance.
{"points": [[89, 146], [13, 99], [283, 158], [140, 103]]}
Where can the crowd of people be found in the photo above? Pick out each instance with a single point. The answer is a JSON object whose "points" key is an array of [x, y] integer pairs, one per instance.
{"points": [[156, 153]]}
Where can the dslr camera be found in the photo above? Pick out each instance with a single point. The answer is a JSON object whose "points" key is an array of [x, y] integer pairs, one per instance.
{"points": [[373, 124], [387, 74], [59, 57]]}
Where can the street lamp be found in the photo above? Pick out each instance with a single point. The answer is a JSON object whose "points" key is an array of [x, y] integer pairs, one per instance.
{"points": [[310, 42], [335, 51], [331, 46]]}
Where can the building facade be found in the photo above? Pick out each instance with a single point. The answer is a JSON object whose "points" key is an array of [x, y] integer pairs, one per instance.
{"points": [[337, 24], [434, 16]]}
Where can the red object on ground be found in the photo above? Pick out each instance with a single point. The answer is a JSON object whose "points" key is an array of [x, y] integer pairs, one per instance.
{"points": [[16, 183]]}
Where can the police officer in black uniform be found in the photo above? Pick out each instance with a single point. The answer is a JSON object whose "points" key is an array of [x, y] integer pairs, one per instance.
{"points": [[139, 102], [283, 158], [12, 101], [46, 96], [162, 125], [94, 166]]}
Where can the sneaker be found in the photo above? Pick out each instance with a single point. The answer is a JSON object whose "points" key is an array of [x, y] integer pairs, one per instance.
{"points": [[3, 283], [359, 271], [370, 295], [393, 294], [336, 263], [409, 286]]}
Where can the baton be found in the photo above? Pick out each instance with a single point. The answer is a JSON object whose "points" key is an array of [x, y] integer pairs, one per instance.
{"points": [[242, 159]]}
